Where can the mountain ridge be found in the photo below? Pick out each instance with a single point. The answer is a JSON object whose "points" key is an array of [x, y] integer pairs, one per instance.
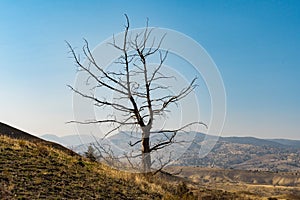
{"points": [[245, 153], [67, 140]]}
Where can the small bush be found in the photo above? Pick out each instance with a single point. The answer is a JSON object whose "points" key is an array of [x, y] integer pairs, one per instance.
{"points": [[90, 154]]}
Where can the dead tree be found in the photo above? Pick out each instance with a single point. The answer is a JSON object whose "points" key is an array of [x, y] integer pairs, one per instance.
{"points": [[143, 107]]}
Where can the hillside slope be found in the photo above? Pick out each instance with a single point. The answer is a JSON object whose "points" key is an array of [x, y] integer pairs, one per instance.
{"points": [[15, 133], [34, 171]]}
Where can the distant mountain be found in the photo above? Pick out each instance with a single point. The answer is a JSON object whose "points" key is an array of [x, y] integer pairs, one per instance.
{"points": [[54, 138], [251, 141], [69, 140], [269, 142], [246, 153], [286, 142]]}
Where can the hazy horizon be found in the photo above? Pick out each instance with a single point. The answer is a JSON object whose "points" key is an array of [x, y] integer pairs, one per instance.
{"points": [[245, 136]]}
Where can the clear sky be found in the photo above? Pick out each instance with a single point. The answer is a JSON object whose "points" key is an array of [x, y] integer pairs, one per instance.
{"points": [[255, 45]]}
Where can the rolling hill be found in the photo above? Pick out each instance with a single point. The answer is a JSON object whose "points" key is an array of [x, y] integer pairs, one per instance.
{"points": [[243, 153], [246, 153], [35, 171], [15, 133]]}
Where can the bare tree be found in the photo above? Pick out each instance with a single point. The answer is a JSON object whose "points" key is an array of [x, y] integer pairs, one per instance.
{"points": [[144, 107]]}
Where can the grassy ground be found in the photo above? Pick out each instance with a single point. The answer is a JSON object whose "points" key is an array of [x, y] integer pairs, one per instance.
{"points": [[35, 171]]}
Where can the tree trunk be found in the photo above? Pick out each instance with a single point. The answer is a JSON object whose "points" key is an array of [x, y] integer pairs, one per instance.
{"points": [[146, 157]]}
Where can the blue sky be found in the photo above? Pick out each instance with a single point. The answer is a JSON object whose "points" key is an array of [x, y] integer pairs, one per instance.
{"points": [[255, 45]]}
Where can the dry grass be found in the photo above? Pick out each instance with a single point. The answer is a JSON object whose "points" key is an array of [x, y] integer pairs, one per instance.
{"points": [[240, 184], [30, 171]]}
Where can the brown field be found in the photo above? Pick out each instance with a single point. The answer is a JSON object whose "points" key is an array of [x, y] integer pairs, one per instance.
{"points": [[246, 184]]}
